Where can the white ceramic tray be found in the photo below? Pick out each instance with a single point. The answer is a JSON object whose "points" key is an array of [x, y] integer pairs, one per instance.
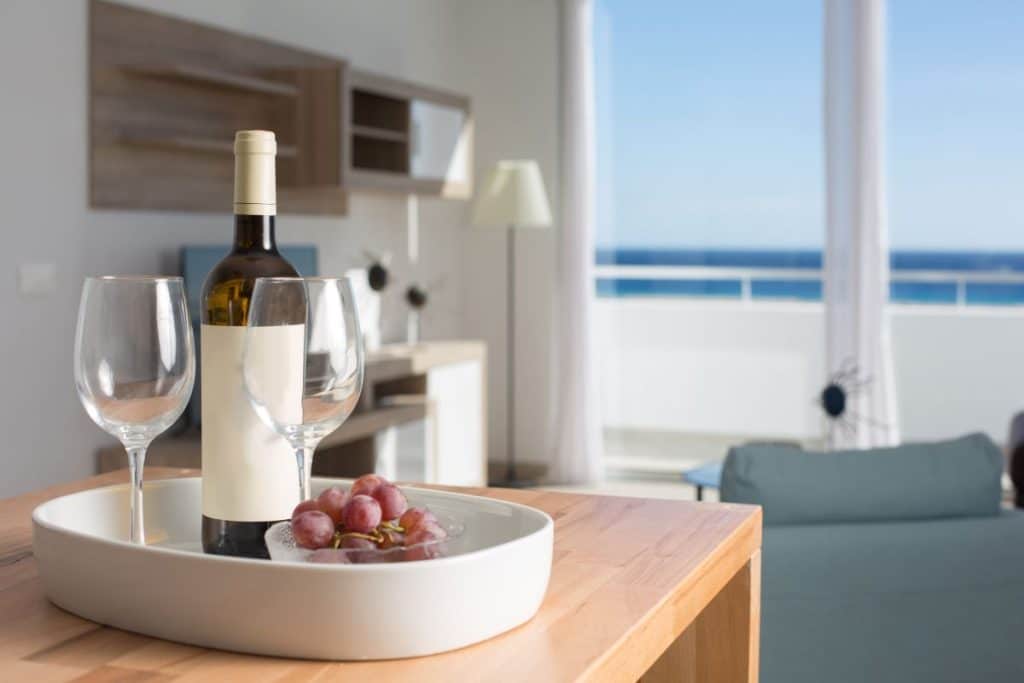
{"points": [[494, 579]]}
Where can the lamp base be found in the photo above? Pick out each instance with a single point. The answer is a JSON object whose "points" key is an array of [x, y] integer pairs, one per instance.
{"points": [[521, 475], [512, 484]]}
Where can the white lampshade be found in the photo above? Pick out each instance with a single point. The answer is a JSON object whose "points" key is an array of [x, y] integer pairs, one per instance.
{"points": [[513, 196]]}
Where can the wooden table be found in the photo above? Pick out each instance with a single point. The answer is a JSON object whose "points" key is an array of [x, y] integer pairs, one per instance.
{"points": [[640, 589]]}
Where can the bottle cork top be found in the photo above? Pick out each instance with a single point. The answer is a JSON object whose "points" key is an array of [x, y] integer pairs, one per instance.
{"points": [[255, 184]]}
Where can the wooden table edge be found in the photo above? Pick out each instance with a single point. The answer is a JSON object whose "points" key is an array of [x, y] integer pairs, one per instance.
{"points": [[638, 650]]}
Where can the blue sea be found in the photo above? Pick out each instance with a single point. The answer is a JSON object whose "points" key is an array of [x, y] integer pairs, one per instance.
{"points": [[901, 262]]}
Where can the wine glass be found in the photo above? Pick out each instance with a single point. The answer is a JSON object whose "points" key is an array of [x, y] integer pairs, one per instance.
{"points": [[134, 365], [303, 360]]}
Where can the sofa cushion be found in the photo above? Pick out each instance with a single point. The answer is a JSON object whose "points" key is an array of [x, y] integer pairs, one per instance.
{"points": [[956, 478], [895, 602]]}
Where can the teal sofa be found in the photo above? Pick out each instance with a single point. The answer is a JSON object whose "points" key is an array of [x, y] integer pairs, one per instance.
{"points": [[893, 564]]}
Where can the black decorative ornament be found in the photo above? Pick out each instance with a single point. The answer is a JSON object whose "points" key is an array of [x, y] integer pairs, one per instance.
{"points": [[834, 399], [416, 297], [378, 276]]}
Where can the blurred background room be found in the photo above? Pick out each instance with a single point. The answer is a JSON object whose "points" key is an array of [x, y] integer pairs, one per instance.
{"points": [[119, 119], [598, 246], [669, 298]]}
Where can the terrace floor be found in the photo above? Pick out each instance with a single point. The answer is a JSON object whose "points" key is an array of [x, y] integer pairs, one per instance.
{"points": [[649, 463]]}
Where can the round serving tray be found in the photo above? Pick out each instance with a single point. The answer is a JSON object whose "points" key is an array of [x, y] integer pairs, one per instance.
{"points": [[493, 579]]}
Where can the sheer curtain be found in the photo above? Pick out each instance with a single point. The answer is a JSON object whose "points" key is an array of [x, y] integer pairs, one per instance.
{"points": [[857, 249], [577, 454]]}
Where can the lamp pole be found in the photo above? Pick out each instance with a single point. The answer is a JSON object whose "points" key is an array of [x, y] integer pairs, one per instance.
{"points": [[510, 356]]}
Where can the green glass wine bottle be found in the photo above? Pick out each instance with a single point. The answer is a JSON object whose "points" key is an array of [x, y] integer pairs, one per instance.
{"points": [[248, 470]]}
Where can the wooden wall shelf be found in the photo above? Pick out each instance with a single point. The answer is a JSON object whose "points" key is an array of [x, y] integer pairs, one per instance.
{"points": [[167, 95], [407, 138], [220, 79], [202, 145]]}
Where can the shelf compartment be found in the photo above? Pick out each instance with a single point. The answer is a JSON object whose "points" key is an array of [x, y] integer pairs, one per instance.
{"points": [[407, 138], [373, 154], [380, 112]]}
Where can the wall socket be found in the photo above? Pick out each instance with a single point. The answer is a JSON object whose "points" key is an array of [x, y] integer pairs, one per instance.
{"points": [[37, 279]]}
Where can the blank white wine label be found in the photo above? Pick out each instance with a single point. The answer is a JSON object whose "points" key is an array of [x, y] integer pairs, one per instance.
{"points": [[249, 471]]}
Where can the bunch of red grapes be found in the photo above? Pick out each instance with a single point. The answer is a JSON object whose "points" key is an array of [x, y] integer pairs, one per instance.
{"points": [[352, 526]]}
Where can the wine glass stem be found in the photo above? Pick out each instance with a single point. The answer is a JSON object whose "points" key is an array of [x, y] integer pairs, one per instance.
{"points": [[304, 459], [136, 461]]}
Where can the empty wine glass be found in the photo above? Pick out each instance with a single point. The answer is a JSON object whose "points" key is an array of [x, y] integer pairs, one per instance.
{"points": [[134, 365], [303, 360]]}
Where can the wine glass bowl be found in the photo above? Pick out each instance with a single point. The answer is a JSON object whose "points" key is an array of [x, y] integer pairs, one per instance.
{"points": [[134, 364], [303, 360], [134, 412]]}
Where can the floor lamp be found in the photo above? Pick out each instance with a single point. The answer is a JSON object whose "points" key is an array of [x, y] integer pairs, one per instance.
{"points": [[512, 197]]}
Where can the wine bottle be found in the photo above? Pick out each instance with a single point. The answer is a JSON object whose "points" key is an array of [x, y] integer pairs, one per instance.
{"points": [[248, 470]]}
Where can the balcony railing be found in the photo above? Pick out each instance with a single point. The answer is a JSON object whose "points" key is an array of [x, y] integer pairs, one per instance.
{"points": [[1010, 284]]}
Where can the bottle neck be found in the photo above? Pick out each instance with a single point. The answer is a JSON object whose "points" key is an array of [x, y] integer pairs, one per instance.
{"points": [[254, 233]]}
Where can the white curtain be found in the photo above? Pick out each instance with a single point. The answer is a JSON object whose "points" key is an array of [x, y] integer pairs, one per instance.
{"points": [[857, 249], [577, 454]]}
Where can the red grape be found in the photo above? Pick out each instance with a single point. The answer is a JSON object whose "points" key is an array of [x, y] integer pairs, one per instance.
{"points": [[422, 543], [367, 484], [329, 556], [392, 501], [361, 513], [427, 531], [332, 501], [413, 517], [357, 543], [313, 529], [305, 506], [360, 550]]}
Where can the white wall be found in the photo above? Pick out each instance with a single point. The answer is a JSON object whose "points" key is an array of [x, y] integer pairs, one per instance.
{"points": [[755, 370], [43, 173]]}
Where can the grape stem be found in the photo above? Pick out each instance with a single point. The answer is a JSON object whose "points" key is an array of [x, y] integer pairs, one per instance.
{"points": [[355, 534], [377, 536]]}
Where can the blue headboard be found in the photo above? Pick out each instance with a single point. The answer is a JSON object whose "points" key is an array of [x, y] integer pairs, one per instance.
{"points": [[196, 264]]}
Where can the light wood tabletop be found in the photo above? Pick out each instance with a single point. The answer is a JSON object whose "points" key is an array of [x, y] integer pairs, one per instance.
{"points": [[640, 589]]}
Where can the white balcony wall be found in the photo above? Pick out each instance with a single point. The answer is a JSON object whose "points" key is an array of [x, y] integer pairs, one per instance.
{"points": [[754, 369]]}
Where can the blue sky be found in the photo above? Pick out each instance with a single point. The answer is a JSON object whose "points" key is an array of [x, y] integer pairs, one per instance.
{"points": [[710, 131]]}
